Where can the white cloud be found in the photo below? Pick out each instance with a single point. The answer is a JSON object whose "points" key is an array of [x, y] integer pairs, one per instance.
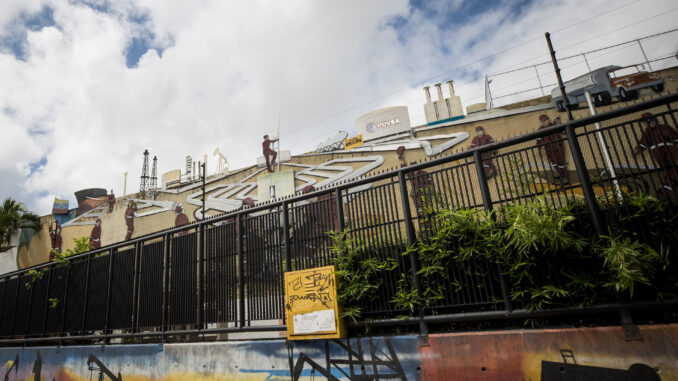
{"points": [[219, 73]]}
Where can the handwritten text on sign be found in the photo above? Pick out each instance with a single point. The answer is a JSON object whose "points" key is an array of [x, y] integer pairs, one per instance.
{"points": [[311, 303]]}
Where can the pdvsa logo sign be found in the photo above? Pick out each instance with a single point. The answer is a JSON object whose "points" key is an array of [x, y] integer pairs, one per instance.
{"points": [[373, 126]]}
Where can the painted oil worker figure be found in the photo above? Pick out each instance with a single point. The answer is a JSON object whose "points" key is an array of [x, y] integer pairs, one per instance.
{"points": [[661, 140], [482, 139], [554, 146], [111, 202], [95, 235], [55, 236], [129, 218], [269, 154], [181, 218]]}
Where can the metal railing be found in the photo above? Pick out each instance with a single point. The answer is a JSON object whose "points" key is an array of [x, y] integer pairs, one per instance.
{"points": [[224, 274]]}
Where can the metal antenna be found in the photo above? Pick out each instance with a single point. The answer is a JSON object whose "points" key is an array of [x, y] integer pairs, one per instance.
{"points": [[144, 174]]}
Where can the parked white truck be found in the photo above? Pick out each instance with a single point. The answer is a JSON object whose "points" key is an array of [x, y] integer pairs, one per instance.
{"points": [[606, 82]]}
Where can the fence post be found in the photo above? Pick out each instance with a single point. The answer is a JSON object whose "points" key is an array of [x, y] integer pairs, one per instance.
{"points": [[109, 287], [584, 179], [286, 235], [28, 316], [340, 210], [49, 286], [411, 238], [86, 298], [136, 286], [16, 302], [63, 314], [241, 271], [201, 271], [165, 287], [487, 203]]}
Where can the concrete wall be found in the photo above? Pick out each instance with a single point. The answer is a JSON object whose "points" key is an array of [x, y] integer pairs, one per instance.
{"points": [[581, 354]]}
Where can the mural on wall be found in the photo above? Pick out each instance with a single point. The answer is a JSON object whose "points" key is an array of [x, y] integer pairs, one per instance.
{"points": [[572, 354], [143, 208], [661, 140], [55, 237], [228, 197], [269, 154], [570, 370], [111, 202], [393, 143], [353, 359], [90, 216], [129, 218], [222, 162], [482, 139], [95, 235], [554, 147]]}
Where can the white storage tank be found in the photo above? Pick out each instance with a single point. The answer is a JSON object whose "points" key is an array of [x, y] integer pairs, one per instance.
{"points": [[383, 122]]}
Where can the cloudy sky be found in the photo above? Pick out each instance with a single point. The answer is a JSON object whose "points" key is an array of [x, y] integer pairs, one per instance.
{"points": [[87, 85]]}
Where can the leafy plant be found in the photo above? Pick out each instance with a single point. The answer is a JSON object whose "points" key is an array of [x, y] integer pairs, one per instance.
{"points": [[360, 274], [82, 245], [53, 302], [35, 276], [13, 217], [628, 262]]}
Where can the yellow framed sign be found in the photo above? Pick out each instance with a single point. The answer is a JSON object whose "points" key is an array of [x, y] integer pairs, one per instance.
{"points": [[353, 142], [311, 305]]}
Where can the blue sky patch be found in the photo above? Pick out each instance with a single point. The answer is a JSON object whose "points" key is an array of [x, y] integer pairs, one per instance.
{"points": [[13, 39], [137, 47], [32, 167]]}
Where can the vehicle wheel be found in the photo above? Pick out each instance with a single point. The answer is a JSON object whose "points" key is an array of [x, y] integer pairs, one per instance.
{"points": [[598, 99], [560, 106], [607, 98], [623, 94], [658, 88]]}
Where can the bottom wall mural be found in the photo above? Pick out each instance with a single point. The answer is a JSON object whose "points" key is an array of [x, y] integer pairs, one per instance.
{"points": [[581, 354]]}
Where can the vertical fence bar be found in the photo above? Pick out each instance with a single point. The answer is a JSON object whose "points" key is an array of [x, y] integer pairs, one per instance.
{"points": [[340, 210], [241, 269], [135, 288], [16, 302], [414, 260], [30, 308], [286, 234], [165, 280], [584, 179], [109, 287], [86, 298], [63, 314], [49, 285], [487, 202], [201, 269]]}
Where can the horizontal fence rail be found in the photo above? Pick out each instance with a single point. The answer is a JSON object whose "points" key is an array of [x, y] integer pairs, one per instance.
{"points": [[225, 273]]}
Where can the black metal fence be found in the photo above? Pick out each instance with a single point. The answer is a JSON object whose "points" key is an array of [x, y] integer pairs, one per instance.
{"points": [[225, 274]]}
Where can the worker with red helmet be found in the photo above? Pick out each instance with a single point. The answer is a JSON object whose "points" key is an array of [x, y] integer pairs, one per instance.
{"points": [[661, 140], [269, 153], [482, 139], [95, 235], [554, 147]]}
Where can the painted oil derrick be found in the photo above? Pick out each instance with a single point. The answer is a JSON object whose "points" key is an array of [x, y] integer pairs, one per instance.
{"points": [[154, 174], [144, 174]]}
